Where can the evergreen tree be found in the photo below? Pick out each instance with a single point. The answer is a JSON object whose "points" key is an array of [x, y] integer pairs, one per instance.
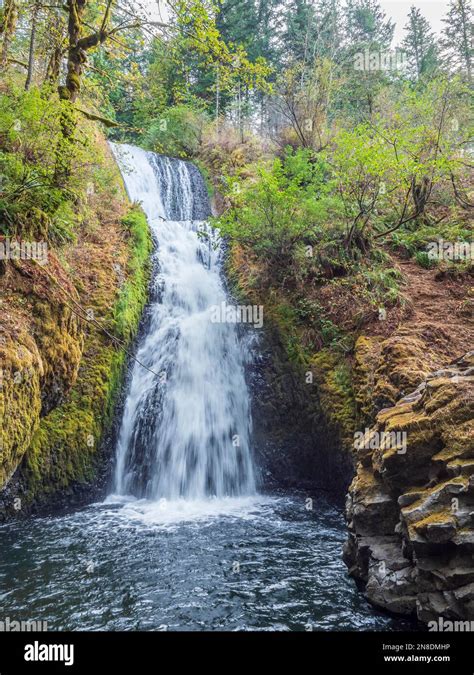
{"points": [[300, 30], [252, 24], [270, 25], [367, 25], [369, 36], [458, 36], [313, 30], [420, 44], [328, 30]]}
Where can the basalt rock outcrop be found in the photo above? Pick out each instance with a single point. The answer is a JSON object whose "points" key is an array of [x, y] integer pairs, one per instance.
{"points": [[410, 508]]}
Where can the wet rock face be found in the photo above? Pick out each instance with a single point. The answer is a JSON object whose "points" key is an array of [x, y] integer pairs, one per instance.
{"points": [[410, 507], [293, 441]]}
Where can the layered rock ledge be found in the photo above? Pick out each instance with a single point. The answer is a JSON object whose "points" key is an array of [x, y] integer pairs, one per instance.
{"points": [[410, 507]]}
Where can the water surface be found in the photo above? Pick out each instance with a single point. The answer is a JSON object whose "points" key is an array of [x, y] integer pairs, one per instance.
{"points": [[262, 563]]}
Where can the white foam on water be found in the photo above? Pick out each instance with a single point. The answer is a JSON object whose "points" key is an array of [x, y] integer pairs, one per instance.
{"points": [[165, 512]]}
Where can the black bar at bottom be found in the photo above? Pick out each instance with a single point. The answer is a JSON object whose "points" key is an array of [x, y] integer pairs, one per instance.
{"points": [[158, 652]]}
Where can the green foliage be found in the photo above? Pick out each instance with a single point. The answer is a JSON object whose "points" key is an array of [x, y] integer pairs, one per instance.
{"points": [[415, 241], [360, 162], [178, 133], [423, 260], [383, 284], [28, 128], [331, 334], [287, 204], [389, 170], [31, 203]]}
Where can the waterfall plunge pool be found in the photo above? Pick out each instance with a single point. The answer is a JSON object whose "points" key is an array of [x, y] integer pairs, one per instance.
{"points": [[251, 563]]}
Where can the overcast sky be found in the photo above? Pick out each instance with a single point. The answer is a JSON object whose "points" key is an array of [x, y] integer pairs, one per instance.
{"points": [[433, 10]]}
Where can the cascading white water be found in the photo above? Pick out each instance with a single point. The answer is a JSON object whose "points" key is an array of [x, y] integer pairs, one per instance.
{"points": [[185, 428]]}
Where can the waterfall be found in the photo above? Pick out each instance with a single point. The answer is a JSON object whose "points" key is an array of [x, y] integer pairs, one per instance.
{"points": [[186, 421]]}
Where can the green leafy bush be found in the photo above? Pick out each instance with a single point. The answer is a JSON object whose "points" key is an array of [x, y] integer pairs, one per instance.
{"points": [[285, 206], [177, 132]]}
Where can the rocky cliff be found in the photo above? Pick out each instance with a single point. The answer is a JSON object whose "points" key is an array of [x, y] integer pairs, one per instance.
{"points": [[64, 331], [410, 507], [300, 415], [390, 407]]}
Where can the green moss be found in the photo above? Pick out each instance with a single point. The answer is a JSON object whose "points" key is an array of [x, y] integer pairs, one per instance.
{"points": [[334, 379], [133, 293], [458, 440], [20, 402], [64, 450], [285, 317], [443, 517]]}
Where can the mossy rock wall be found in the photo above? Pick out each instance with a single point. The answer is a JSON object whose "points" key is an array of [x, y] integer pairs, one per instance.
{"points": [[20, 402], [64, 409], [303, 406], [39, 359]]}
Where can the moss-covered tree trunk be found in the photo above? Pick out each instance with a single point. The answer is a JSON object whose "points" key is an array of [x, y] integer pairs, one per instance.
{"points": [[77, 58], [9, 18], [76, 55], [53, 68], [31, 51], [78, 45]]}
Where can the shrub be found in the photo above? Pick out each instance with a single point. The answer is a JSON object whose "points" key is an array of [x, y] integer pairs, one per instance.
{"points": [[178, 132]]}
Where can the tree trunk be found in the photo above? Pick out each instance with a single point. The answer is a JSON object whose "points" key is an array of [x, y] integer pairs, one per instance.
{"points": [[420, 194], [68, 93], [78, 46], [31, 55], [10, 14], [466, 40], [76, 55], [217, 99], [53, 68]]}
